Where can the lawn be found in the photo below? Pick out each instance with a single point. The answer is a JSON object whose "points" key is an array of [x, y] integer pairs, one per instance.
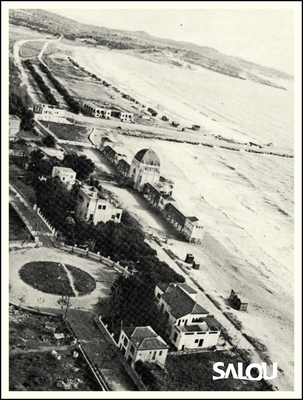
{"points": [[17, 228], [51, 277], [76, 133], [194, 372], [31, 365], [83, 282], [31, 49]]}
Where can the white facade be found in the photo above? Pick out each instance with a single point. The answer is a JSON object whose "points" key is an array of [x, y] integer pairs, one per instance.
{"points": [[188, 324], [14, 127], [93, 206], [194, 337], [193, 230], [66, 175], [145, 168], [126, 117], [96, 111], [47, 112], [142, 344]]}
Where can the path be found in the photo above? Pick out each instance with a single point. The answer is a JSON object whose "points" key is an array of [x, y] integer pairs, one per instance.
{"points": [[24, 77], [71, 280], [31, 219], [99, 351], [40, 349]]}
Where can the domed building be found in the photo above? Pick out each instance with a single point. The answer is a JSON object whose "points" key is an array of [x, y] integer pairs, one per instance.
{"points": [[145, 168]]}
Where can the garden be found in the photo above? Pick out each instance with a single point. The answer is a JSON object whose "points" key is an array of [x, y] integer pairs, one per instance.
{"points": [[52, 277]]}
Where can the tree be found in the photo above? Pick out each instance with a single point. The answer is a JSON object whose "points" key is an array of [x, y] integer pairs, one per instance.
{"points": [[82, 165], [39, 165], [132, 302], [49, 141], [56, 202], [144, 371]]}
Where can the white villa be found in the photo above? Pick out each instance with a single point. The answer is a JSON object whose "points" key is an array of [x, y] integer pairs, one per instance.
{"points": [[95, 206], [66, 175]]}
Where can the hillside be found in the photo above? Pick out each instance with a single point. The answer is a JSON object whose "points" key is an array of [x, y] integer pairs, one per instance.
{"points": [[143, 45]]}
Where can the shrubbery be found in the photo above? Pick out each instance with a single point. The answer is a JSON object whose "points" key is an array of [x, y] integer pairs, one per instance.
{"points": [[73, 104], [50, 98]]}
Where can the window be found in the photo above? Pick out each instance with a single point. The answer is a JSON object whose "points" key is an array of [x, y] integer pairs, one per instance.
{"points": [[197, 340], [113, 216], [99, 207], [103, 207], [87, 204], [189, 333], [118, 215], [125, 341], [63, 178], [160, 353], [132, 349], [175, 337], [158, 295]]}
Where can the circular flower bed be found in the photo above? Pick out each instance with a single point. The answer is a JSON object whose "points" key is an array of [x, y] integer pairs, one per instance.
{"points": [[58, 279]]}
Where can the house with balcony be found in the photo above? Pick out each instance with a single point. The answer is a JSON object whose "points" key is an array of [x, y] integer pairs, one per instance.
{"points": [[193, 230], [95, 206], [188, 324], [142, 343]]}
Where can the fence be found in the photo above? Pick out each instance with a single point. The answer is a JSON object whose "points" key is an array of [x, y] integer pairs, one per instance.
{"points": [[47, 223], [97, 257], [111, 341]]}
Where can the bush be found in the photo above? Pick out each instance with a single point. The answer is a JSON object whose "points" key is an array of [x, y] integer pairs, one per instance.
{"points": [[146, 375], [49, 141]]}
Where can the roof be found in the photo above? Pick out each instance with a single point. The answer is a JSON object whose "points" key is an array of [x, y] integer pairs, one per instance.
{"points": [[93, 192], [205, 324], [181, 303], [124, 162], [163, 286], [186, 287], [14, 118], [145, 338], [65, 169], [164, 179], [193, 219], [147, 156]]}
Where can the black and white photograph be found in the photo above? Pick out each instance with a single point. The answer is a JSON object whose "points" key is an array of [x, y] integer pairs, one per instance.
{"points": [[151, 158]]}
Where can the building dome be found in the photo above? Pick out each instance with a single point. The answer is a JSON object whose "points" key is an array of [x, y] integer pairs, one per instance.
{"points": [[147, 156]]}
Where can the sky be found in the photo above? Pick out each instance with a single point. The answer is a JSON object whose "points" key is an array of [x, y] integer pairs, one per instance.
{"points": [[263, 36]]}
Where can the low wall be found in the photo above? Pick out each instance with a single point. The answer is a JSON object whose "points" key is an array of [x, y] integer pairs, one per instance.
{"points": [[96, 373], [97, 257], [131, 372], [27, 224], [21, 243], [47, 223]]}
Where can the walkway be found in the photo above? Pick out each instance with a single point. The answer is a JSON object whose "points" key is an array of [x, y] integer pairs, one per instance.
{"points": [[31, 219], [99, 351]]}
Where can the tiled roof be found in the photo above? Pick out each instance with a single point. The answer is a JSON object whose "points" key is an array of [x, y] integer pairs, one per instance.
{"points": [[193, 219], [187, 288], [163, 286], [144, 338], [181, 303], [153, 343]]}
